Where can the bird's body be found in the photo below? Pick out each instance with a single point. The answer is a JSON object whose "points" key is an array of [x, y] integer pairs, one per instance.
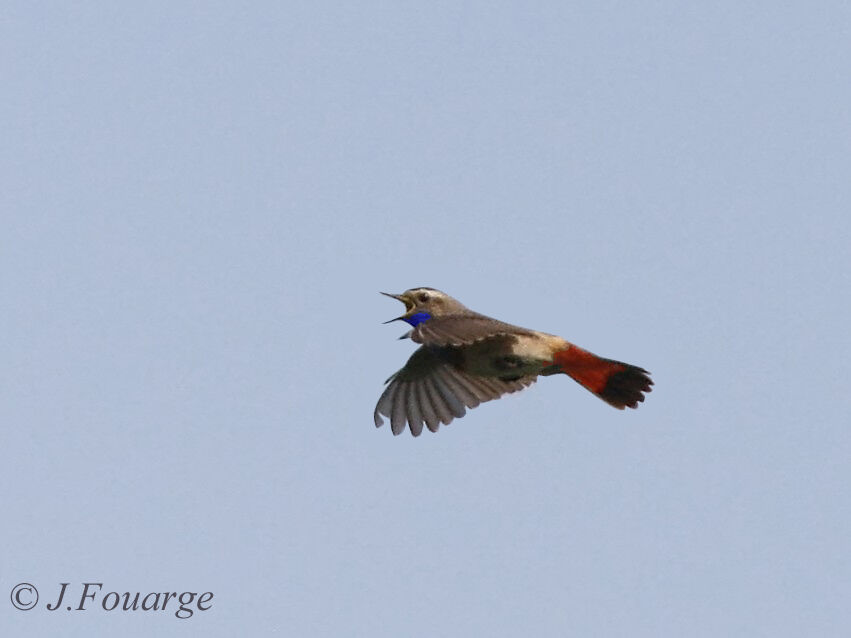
{"points": [[467, 358], [508, 356]]}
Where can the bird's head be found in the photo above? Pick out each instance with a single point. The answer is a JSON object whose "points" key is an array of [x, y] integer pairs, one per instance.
{"points": [[421, 304]]}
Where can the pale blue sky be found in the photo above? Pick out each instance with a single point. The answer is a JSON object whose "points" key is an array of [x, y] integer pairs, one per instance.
{"points": [[201, 202]]}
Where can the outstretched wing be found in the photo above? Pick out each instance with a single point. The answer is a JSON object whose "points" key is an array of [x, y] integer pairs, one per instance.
{"points": [[430, 390], [462, 329]]}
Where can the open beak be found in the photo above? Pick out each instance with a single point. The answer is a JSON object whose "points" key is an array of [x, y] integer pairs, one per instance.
{"points": [[398, 298]]}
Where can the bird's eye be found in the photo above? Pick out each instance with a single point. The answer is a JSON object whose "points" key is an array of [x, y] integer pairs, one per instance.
{"points": [[423, 296]]}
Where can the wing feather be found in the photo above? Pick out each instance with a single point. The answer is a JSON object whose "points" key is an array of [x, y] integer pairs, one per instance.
{"points": [[436, 402], [450, 398], [399, 415], [415, 417], [429, 415], [462, 329], [431, 390]]}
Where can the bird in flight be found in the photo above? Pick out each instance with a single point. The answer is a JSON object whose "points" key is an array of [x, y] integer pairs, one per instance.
{"points": [[466, 358]]}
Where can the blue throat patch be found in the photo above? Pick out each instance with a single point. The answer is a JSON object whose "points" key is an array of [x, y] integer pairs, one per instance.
{"points": [[417, 319]]}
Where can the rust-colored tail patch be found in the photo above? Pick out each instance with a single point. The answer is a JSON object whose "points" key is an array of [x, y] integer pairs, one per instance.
{"points": [[618, 384]]}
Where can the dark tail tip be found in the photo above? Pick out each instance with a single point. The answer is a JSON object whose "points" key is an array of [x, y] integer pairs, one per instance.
{"points": [[625, 388]]}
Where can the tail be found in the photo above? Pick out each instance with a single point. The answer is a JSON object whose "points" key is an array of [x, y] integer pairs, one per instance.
{"points": [[618, 384]]}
